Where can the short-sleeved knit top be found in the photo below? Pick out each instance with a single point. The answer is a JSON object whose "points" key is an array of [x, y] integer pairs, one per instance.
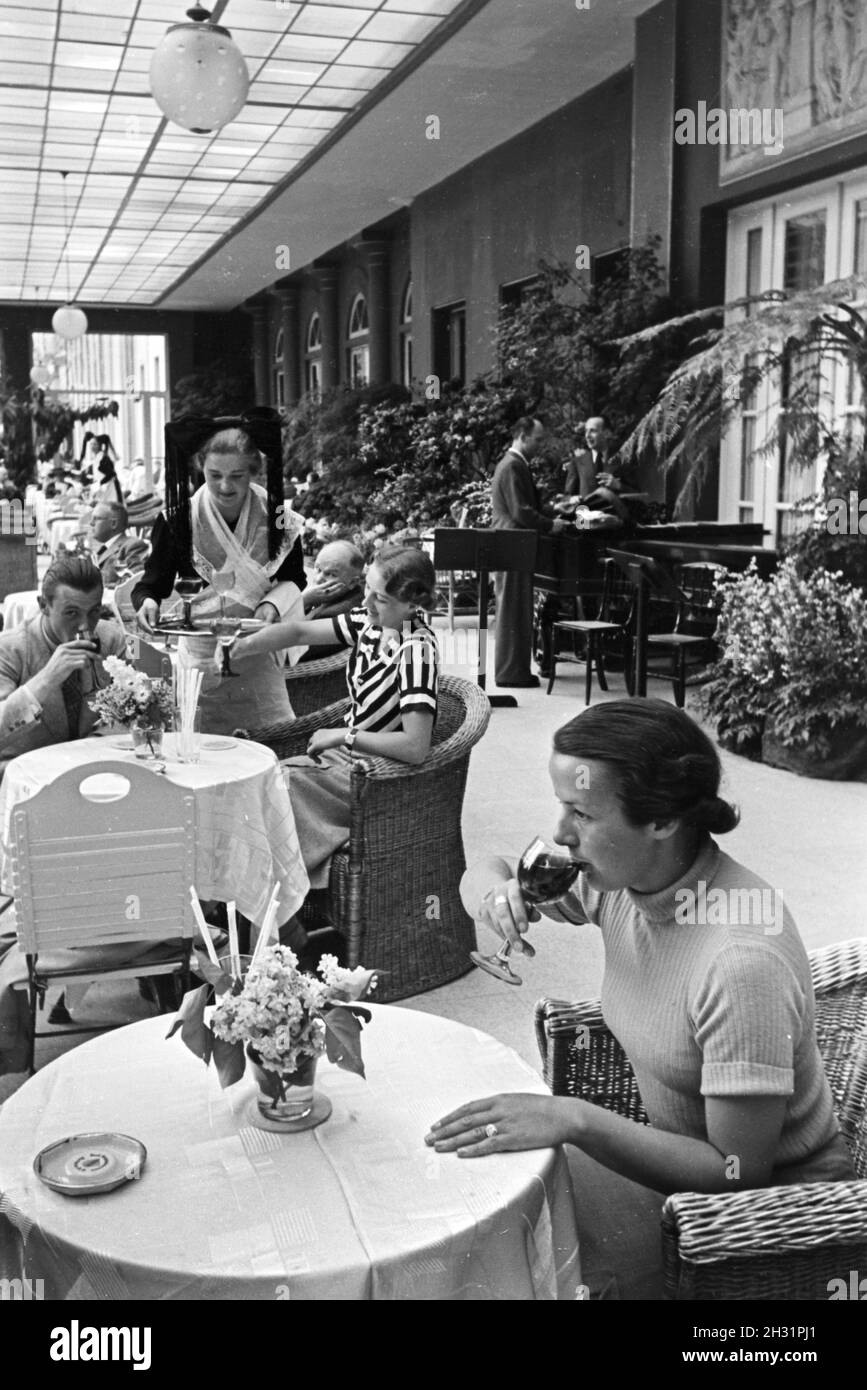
{"points": [[707, 987], [387, 679]]}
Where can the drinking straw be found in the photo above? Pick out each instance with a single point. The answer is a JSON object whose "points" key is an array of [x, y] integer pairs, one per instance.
{"points": [[267, 924], [234, 955], [203, 927]]}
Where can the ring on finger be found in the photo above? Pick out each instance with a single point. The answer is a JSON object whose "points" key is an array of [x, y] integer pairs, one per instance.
{"points": [[491, 1131], [501, 901]]}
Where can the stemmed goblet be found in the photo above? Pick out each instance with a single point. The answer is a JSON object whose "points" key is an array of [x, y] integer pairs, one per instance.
{"points": [[188, 585], [545, 873]]}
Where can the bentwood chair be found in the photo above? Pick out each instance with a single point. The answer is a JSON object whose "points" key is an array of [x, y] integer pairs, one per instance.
{"points": [[784, 1242], [393, 890], [615, 623], [696, 616], [108, 864]]}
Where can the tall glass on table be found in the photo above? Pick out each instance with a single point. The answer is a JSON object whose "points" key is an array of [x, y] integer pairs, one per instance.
{"points": [[545, 872]]}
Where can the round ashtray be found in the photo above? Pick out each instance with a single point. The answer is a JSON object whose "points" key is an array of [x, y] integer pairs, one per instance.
{"points": [[85, 1164]]}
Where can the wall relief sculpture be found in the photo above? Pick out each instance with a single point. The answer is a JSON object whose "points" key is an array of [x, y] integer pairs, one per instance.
{"points": [[806, 61]]}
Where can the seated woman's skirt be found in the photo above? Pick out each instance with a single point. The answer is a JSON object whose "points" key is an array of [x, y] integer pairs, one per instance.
{"points": [[320, 802]]}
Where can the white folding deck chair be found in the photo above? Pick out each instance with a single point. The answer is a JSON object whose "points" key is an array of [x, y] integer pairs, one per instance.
{"points": [[107, 865]]}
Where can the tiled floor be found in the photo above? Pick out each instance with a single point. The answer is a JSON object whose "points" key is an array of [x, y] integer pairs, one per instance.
{"points": [[807, 837]]}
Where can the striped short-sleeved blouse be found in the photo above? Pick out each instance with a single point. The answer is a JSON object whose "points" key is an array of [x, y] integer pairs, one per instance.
{"points": [[387, 680]]}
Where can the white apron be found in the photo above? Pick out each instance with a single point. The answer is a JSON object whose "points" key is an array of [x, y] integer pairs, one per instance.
{"points": [[256, 696]]}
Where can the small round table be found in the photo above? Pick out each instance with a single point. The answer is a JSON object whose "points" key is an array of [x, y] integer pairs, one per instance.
{"points": [[357, 1209], [246, 840]]}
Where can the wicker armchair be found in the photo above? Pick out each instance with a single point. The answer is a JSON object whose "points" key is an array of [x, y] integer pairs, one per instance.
{"points": [[767, 1243], [393, 892], [313, 684]]}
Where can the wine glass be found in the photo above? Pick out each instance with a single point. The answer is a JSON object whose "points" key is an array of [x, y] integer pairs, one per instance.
{"points": [[188, 585], [545, 873], [226, 630]]}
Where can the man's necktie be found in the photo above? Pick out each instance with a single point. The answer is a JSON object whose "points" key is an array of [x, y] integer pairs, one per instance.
{"points": [[73, 698]]}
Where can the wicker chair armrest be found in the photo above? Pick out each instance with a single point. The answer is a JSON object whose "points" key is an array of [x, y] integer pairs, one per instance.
{"points": [[774, 1242], [473, 725], [581, 1057], [291, 736]]}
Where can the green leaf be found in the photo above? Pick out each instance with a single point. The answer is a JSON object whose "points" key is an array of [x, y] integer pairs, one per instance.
{"points": [[214, 974], [228, 1060], [343, 1036], [191, 1021]]}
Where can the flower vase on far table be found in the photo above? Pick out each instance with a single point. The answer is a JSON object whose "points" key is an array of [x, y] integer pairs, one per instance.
{"points": [[147, 738]]}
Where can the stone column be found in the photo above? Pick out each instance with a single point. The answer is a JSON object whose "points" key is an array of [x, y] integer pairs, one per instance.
{"points": [[261, 364], [287, 296], [327, 283], [378, 256]]}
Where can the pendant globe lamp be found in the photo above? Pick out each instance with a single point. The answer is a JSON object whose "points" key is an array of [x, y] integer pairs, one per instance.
{"points": [[69, 321], [198, 77]]}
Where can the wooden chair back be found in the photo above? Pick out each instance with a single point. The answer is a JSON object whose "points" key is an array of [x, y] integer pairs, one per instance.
{"points": [[92, 872]]}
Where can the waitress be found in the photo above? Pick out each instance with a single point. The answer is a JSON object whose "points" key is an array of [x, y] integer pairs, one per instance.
{"points": [[240, 540]]}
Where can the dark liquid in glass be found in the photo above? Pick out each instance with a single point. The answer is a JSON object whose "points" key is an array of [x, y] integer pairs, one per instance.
{"points": [[547, 878]]}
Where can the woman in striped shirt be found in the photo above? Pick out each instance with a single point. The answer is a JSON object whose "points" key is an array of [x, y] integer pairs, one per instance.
{"points": [[392, 681]]}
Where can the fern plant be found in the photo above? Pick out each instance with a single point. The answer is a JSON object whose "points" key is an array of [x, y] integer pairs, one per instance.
{"points": [[779, 338]]}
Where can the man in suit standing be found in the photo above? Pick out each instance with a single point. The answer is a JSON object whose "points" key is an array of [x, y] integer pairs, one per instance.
{"points": [[515, 506], [114, 550], [47, 671]]}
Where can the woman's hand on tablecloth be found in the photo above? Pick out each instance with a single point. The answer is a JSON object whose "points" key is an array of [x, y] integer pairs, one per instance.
{"points": [[503, 1124], [148, 615], [324, 739]]}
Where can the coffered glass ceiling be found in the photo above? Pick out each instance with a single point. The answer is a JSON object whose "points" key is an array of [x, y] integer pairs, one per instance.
{"points": [[147, 199]]}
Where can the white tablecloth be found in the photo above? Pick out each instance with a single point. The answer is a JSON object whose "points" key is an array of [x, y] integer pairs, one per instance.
{"points": [[18, 607], [359, 1208], [245, 830]]}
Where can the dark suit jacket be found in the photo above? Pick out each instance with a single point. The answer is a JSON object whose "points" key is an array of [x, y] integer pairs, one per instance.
{"points": [[24, 651], [515, 498], [582, 469], [128, 553]]}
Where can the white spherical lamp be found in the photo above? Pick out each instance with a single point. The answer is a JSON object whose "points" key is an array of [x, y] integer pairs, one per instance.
{"points": [[198, 76], [69, 321]]}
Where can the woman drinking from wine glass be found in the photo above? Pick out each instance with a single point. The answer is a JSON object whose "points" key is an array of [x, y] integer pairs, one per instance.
{"points": [[392, 681], [707, 984], [236, 544]]}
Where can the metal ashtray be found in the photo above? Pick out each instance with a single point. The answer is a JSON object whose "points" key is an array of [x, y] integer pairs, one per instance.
{"points": [[83, 1165]]}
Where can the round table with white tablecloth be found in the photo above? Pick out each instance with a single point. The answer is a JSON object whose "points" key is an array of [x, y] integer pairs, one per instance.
{"points": [[245, 830], [357, 1209]]}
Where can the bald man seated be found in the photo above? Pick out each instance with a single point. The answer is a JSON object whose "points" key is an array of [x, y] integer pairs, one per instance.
{"points": [[336, 586]]}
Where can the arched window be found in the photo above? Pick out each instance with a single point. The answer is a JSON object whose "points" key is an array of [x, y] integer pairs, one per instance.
{"points": [[313, 363], [279, 379], [358, 352], [406, 336]]}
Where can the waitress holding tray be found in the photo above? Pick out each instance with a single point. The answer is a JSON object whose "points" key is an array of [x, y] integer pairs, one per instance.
{"points": [[239, 541]]}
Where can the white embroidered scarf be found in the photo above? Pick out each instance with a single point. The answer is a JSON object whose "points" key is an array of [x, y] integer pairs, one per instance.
{"points": [[240, 556]]}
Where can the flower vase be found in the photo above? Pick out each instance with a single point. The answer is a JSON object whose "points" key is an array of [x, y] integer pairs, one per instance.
{"points": [[287, 1100], [147, 738]]}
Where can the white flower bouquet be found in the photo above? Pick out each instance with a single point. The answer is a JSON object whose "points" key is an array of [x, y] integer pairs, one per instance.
{"points": [[132, 696], [285, 1016]]}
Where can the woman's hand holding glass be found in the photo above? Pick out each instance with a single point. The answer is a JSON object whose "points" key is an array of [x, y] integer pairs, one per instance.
{"points": [[504, 910]]}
